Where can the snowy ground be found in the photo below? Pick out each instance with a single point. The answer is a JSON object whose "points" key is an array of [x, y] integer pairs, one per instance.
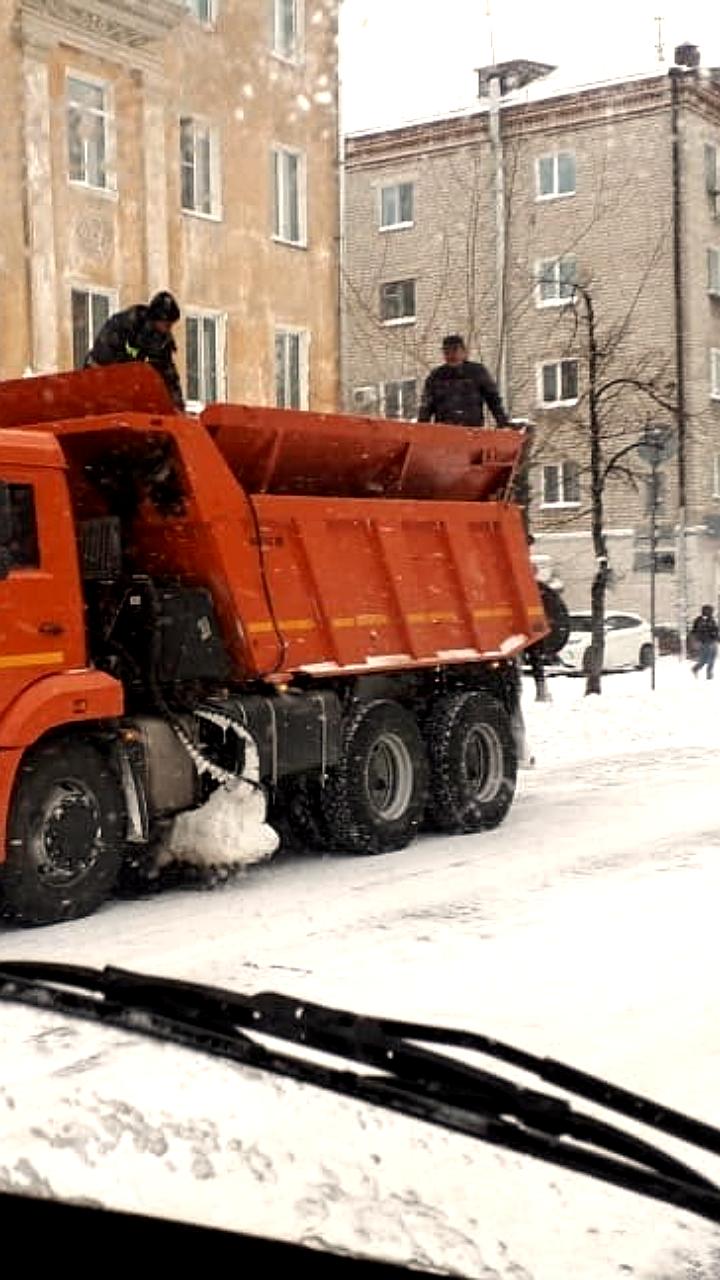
{"points": [[585, 929], [681, 713]]}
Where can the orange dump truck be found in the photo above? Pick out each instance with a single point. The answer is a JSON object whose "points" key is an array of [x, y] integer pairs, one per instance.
{"points": [[347, 595]]}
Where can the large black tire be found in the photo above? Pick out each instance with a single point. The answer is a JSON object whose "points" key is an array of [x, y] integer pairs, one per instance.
{"points": [[298, 814], [375, 798], [65, 835], [558, 618], [473, 763]]}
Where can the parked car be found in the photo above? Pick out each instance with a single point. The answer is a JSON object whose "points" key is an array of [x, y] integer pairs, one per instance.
{"points": [[628, 642]]}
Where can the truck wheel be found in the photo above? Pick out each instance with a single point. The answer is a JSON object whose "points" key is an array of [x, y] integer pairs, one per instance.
{"points": [[301, 814], [376, 796], [473, 763], [65, 835]]}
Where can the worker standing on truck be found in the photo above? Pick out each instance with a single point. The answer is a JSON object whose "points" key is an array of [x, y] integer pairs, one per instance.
{"points": [[458, 390], [142, 332]]}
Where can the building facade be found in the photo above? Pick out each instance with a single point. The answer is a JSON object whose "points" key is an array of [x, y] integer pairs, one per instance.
{"points": [[183, 144], [545, 223]]}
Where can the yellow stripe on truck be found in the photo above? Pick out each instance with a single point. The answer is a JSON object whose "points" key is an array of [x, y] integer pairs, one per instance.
{"points": [[13, 661]]}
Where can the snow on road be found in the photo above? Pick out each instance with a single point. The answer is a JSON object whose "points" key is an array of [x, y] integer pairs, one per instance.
{"points": [[585, 928]]}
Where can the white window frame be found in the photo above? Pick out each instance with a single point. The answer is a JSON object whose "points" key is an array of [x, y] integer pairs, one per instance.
{"points": [[91, 291], [715, 373], [298, 52], [201, 123], [712, 176], [713, 272], [208, 23], [562, 502], [290, 330], [107, 113], [279, 151], [557, 365], [399, 320], [195, 404], [403, 224], [402, 383], [541, 277], [555, 194], [716, 475]]}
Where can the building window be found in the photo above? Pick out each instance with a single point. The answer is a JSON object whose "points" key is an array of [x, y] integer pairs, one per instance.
{"points": [[556, 175], [397, 302], [88, 127], [205, 357], [287, 27], [396, 205], [90, 309], [291, 368], [204, 10], [559, 382], [199, 167], [399, 399], [713, 271], [556, 282], [712, 178], [715, 373], [560, 485], [289, 203]]}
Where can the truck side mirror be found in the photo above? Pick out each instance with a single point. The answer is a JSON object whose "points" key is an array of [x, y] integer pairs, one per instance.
{"points": [[6, 530]]}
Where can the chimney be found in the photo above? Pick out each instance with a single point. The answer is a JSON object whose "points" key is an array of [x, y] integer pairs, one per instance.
{"points": [[687, 55]]}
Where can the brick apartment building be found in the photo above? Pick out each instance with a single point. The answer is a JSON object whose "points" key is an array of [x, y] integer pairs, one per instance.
{"points": [[482, 223], [189, 144]]}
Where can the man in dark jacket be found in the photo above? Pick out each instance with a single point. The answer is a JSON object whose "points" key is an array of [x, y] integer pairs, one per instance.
{"points": [[705, 633], [142, 332], [458, 390]]}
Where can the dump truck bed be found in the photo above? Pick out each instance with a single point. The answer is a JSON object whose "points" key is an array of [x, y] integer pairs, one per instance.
{"points": [[329, 544]]}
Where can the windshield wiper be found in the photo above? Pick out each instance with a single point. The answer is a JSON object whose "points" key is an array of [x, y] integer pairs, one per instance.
{"points": [[402, 1066]]}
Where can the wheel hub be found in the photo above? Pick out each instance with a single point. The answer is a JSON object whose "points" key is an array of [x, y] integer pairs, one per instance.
{"points": [[483, 761], [389, 777], [67, 841]]}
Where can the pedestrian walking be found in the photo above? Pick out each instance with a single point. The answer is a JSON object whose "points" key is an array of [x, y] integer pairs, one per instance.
{"points": [[458, 390], [705, 634]]}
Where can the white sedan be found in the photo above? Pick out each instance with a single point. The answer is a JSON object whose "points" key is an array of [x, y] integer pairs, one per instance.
{"points": [[628, 642]]}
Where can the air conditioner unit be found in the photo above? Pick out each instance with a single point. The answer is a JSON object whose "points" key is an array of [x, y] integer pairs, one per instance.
{"points": [[366, 399]]}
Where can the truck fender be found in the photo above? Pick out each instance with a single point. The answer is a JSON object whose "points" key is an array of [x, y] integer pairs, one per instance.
{"points": [[57, 702]]}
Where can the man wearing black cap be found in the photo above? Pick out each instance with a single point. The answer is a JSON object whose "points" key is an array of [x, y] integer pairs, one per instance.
{"points": [[458, 390], [142, 332]]}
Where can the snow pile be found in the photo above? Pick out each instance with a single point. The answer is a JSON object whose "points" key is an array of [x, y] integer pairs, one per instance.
{"points": [[229, 831], [627, 718]]}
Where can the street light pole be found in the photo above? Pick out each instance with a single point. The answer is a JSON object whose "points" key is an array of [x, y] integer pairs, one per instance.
{"points": [[654, 464], [655, 446]]}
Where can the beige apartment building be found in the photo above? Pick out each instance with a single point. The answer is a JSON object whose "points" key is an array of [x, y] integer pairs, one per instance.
{"points": [[506, 223], [181, 144]]}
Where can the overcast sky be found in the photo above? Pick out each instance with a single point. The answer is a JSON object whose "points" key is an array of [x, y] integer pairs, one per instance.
{"points": [[406, 59]]}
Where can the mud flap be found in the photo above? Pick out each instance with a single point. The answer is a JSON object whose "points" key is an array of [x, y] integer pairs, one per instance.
{"points": [[526, 759]]}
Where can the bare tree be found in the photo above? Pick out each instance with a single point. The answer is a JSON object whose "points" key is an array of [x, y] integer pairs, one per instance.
{"points": [[613, 413]]}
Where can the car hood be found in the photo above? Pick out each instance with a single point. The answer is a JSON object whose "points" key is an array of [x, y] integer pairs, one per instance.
{"points": [[97, 1115]]}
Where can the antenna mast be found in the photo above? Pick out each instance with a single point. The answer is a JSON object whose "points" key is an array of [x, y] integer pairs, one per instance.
{"points": [[488, 15], [659, 46]]}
